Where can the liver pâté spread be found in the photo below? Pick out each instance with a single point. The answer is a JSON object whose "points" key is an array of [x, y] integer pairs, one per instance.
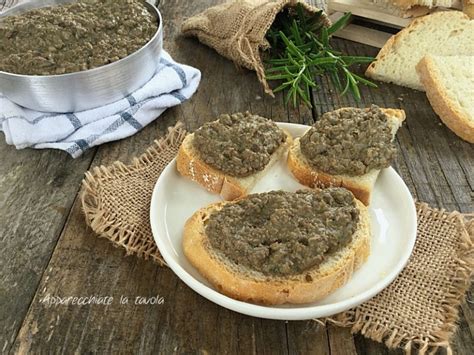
{"points": [[284, 233], [238, 144], [73, 37], [350, 141]]}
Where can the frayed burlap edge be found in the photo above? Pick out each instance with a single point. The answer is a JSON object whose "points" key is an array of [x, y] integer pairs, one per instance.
{"points": [[106, 226], [360, 323], [101, 221]]}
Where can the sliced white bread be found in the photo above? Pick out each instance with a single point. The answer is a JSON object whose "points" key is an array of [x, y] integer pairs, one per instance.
{"points": [[449, 85], [412, 8], [407, 4], [247, 285], [440, 33], [361, 186], [189, 164]]}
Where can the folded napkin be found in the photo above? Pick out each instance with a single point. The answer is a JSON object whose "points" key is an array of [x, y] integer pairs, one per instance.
{"points": [[6, 4], [76, 132]]}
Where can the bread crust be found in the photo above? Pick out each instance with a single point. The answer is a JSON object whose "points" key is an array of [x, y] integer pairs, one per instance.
{"points": [[205, 175], [308, 176], [371, 70], [456, 119], [230, 188], [468, 8], [258, 288]]}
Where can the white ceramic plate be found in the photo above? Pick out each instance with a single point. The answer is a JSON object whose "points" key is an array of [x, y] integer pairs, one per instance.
{"points": [[393, 218]]}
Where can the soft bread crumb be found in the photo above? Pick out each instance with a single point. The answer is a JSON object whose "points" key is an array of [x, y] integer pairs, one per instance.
{"points": [[442, 33], [449, 83]]}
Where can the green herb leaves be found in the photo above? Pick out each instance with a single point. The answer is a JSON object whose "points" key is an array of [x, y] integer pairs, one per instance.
{"points": [[300, 51]]}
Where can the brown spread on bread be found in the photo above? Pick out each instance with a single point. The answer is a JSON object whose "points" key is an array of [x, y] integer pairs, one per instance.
{"points": [[73, 37], [350, 141], [238, 144], [282, 233]]}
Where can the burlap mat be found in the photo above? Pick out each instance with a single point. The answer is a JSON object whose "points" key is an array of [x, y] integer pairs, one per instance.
{"points": [[418, 310], [116, 198], [237, 29]]}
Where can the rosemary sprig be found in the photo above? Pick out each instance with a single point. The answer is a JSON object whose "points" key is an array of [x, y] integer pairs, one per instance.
{"points": [[301, 51]]}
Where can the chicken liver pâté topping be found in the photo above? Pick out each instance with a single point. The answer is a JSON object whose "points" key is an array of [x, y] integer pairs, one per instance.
{"points": [[350, 141], [282, 233], [239, 144]]}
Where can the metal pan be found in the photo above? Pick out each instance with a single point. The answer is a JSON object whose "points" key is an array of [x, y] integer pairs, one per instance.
{"points": [[85, 89]]}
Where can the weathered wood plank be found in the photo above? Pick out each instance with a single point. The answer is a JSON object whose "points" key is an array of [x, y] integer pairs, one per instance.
{"points": [[463, 341], [436, 165], [341, 341], [37, 189], [308, 337], [369, 347], [443, 172], [464, 157], [186, 322]]}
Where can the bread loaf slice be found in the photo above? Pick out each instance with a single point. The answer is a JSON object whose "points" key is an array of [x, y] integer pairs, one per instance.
{"points": [[189, 164], [411, 8], [449, 85], [408, 4], [247, 285], [361, 186], [441, 33]]}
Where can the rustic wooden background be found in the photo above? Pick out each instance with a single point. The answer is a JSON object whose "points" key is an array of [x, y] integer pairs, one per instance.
{"points": [[48, 250]]}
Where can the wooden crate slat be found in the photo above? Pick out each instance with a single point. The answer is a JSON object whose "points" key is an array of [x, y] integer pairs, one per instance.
{"points": [[374, 13]]}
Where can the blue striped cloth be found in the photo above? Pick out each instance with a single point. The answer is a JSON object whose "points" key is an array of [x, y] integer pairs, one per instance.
{"points": [[76, 132]]}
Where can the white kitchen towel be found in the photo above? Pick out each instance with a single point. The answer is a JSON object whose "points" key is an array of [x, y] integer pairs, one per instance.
{"points": [[6, 4], [76, 132]]}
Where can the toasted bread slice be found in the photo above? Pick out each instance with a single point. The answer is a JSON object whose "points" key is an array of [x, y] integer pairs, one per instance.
{"points": [[247, 285], [361, 186], [441, 33], [189, 164], [449, 85]]}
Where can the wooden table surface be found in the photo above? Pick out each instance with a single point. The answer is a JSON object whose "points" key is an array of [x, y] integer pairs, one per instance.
{"points": [[48, 250]]}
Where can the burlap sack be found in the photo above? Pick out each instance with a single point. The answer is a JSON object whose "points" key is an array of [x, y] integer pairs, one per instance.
{"points": [[237, 29], [418, 310]]}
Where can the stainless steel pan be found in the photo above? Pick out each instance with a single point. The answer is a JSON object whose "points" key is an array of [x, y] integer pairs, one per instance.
{"points": [[85, 89]]}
